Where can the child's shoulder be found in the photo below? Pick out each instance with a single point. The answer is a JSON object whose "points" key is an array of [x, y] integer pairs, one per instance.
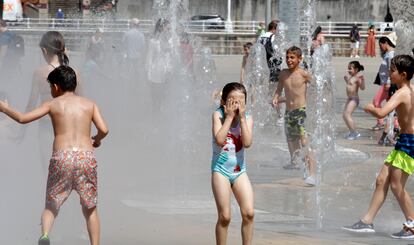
{"points": [[218, 112]]}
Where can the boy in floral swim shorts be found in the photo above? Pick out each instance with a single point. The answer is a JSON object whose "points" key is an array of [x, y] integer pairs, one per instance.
{"points": [[73, 164]]}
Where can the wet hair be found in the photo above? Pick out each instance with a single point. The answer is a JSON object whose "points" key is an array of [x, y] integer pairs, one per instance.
{"points": [[54, 43], [230, 87], [386, 40], [247, 45], [404, 63], [272, 25], [64, 77], [355, 64], [160, 26], [3, 23], [297, 51], [316, 32]]}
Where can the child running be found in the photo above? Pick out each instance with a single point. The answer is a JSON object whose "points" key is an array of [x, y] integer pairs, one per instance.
{"points": [[232, 132], [354, 81], [72, 165], [294, 81], [246, 51], [399, 164]]}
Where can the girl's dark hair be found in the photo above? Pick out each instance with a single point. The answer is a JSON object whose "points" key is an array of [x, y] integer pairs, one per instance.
{"points": [[356, 65], [404, 63], [54, 43], [386, 40], [160, 26], [316, 32], [64, 77], [230, 87]]}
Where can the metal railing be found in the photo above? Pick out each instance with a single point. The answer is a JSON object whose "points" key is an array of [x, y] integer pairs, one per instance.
{"points": [[203, 26], [219, 36]]}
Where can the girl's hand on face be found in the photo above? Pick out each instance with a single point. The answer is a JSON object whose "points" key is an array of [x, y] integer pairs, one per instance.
{"points": [[242, 108], [230, 108]]}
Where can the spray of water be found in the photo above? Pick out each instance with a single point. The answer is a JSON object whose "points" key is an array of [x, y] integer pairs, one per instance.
{"points": [[320, 103]]}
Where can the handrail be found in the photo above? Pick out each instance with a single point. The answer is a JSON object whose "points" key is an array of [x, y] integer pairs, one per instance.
{"points": [[197, 26]]}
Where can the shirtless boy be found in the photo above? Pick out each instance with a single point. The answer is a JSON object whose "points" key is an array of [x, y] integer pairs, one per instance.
{"points": [[73, 165], [294, 81], [399, 164]]}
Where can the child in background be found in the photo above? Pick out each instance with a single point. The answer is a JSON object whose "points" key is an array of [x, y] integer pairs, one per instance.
{"points": [[399, 164], [73, 165], [246, 51], [354, 81], [294, 81], [232, 132]]}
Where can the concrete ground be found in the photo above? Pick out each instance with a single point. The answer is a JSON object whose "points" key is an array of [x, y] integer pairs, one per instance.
{"points": [[137, 207]]}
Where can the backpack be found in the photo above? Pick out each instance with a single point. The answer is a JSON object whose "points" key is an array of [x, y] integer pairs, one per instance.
{"points": [[267, 44], [273, 62], [354, 36], [17, 46]]}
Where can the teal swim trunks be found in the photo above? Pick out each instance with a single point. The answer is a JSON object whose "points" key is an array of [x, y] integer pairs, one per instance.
{"points": [[295, 123], [228, 160]]}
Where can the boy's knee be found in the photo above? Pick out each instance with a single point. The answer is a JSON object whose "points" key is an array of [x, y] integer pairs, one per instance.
{"points": [[88, 211], [380, 181], [248, 215], [224, 219], [395, 186]]}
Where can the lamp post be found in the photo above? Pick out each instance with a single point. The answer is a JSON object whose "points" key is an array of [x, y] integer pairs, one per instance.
{"points": [[1, 9], [388, 16], [229, 24], [268, 11]]}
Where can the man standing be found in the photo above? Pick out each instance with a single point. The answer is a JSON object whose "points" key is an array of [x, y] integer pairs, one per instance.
{"points": [[134, 48], [273, 62], [8, 58]]}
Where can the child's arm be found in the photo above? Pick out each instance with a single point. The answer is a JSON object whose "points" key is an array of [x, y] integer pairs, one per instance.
{"points": [[246, 125], [27, 117], [347, 77], [242, 69], [394, 101], [34, 91], [308, 77], [100, 125], [277, 96], [361, 82], [220, 130]]}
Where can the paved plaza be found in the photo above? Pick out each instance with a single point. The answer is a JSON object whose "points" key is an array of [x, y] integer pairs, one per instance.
{"points": [[139, 207]]}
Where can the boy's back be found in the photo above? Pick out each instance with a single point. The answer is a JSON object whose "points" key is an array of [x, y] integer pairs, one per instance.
{"points": [[405, 110], [295, 84], [72, 116]]}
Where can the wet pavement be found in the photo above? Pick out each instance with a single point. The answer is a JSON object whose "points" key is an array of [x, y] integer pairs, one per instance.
{"points": [[137, 207], [287, 211]]}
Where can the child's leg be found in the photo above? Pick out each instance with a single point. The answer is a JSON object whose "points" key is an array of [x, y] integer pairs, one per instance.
{"points": [[398, 180], [92, 223], [349, 109], [243, 192], [309, 158], [222, 193], [380, 96], [294, 146], [48, 217], [380, 193]]}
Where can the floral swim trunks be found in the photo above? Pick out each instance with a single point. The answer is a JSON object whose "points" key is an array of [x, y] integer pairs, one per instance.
{"points": [[72, 170]]}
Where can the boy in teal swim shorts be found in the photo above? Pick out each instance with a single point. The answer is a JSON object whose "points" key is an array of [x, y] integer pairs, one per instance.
{"points": [[294, 81], [73, 165], [399, 164]]}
